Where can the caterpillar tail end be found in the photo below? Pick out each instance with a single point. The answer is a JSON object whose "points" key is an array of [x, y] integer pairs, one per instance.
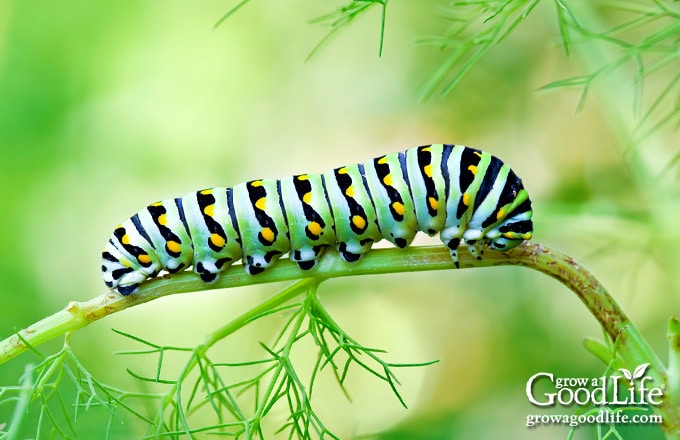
{"points": [[118, 273]]}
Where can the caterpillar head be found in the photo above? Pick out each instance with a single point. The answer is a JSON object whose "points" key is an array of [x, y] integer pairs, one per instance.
{"points": [[510, 233]]}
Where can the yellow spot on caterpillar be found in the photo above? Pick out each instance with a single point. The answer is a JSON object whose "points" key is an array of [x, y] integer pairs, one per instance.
{"points": [[125, 263], [303, 177], [155, 204], [307, 198], [209, 210], [466, 199], [473, 169], [261, 204], [144, 258], [217, 240], [427, 148], [162, 220], [256, 183], [172, 246], [314, 228], [359, 221], [125, 239], [349, 192], [500, 214], [268, 234], [206, 192], [478, 153], [382, 160], [387, 180], [434, 203], [342, 170], [398, 207], [427, 169], [527, 236]]}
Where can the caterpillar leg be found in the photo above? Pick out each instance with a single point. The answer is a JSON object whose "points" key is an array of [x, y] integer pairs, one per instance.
{"points": [[353, 250], [308, 257], [475, 247], [258, 263], [452, 236], [209, 270], [453, 250]]}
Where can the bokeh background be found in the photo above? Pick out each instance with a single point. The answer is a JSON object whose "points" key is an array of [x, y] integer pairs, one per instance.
{"points": [[106, 106]]}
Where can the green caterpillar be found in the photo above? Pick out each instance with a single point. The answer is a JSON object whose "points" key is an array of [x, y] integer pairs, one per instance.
{"points": [[459, 192]]}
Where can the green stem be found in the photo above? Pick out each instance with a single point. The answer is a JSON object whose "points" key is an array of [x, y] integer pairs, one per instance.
{"points": [[632, 347], [275, 301], [672, 394], [23, 401], [674, 357], [379, 261], [643, 160]]}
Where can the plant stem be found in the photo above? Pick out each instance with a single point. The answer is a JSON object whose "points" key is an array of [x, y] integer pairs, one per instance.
{"points": [[645, 160], [632, 347], [275, 301], [379, 261], [23, 401], [672, 394]]}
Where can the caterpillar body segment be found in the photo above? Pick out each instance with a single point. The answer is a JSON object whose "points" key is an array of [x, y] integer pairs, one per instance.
{"points": [[356, 224], [463, 194], [210, 222], [428, 187], [310, 220], [262, 223], [388, 185]]}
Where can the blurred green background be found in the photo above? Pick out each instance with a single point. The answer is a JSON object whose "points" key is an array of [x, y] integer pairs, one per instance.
{"points": [[107, 106]]}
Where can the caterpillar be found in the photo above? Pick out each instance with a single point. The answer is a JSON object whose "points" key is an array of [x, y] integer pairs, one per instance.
{"points": [[461, 193]]}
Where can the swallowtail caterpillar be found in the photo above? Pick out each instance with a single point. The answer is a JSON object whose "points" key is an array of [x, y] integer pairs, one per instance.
{"points": [[461, 193]]}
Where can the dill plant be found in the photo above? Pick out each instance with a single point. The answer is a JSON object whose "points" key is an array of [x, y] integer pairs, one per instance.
{"points": [[613, 53]]}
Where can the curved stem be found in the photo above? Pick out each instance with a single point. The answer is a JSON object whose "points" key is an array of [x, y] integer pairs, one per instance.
{"points": [[632, 347], [79, 314]]}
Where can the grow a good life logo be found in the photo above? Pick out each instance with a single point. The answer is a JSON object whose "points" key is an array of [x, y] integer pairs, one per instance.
{"points": [[631, 389], [593, 391]]}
